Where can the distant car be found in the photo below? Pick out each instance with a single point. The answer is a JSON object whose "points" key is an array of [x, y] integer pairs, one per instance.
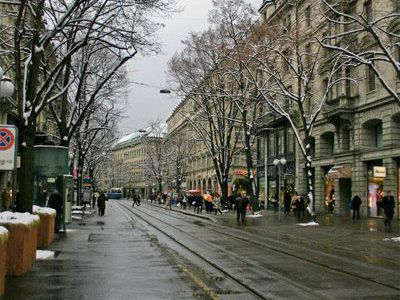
{"points": [[114, 193]]}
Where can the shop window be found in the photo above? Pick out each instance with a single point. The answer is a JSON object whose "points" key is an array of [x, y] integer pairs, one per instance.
{"points": [[375, 191]]}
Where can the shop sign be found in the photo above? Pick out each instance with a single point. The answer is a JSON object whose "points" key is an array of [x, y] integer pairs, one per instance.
{"points": [[242, 172], [8, 139], [379, 172]]}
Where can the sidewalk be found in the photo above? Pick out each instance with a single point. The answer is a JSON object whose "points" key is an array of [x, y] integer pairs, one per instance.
{"points": [[108, 258]]}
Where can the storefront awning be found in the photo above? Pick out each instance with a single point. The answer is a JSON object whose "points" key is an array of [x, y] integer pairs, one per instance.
{"points": [[340, 171]]}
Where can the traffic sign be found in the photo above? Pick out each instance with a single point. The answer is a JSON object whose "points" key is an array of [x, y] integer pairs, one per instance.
{"points": [[8, 137]]}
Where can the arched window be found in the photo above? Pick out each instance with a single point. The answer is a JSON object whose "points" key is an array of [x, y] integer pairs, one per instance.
{"points": [[372, 134], [327, 144]]}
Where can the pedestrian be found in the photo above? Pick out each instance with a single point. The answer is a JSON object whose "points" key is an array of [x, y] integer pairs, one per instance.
{"points": [[241, 204], [56, 202], [93, 200], [198, 203], [6, 197], [298, 202], [217, 203], [287, 202], [101, 203], [355, 206], [388, 208], [275, 202], [168, 202], [331, 200], [184, 201], [138, 199]]}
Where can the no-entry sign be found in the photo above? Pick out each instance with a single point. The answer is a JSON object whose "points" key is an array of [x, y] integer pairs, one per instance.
{"points": [[8, 137]]}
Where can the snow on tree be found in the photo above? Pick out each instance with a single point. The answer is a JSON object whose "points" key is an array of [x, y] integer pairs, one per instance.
{"points": [[367, 35], [297, 80], [205, 106], [42, 39]]}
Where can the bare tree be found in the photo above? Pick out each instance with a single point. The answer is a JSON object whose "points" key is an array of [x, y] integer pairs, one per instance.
{"points": [[234, 23], [46, 35], [292, 66], [212, 115], [367, 35], [156, 152]]}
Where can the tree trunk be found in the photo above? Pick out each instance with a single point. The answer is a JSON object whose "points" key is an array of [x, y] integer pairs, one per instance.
{"points": [[309, 183], [26, 171], [224, 190], [160, 185]]}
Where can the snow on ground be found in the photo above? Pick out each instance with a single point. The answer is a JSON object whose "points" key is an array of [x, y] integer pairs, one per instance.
{"points": [[44, 254], [393, 239], [254, 216], [308, 224]]}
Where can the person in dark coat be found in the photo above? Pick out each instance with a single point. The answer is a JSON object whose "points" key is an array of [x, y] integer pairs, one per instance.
{"points": [[355, 206], [388, 208], [241, 204], [298, 202], [198, 205], [101, 203], [287, 200], [56, 202]]}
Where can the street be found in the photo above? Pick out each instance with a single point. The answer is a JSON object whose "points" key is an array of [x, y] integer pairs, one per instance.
{"points": [[148, 252]]}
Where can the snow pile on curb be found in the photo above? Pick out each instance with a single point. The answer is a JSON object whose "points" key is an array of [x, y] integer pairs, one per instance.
{"points": [[312, 223], [26, 219], [393, 239], [257, 214], [44, 254], [3, 235], [43, 210]]}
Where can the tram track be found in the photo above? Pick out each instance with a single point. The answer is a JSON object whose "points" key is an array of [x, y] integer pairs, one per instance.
{"points": [[232, 277], [221, 229]]}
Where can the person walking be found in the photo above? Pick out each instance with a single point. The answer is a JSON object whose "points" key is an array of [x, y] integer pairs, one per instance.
{"points": [[217, 203], [287, 200], [355, 206], [56, 202], [101, 203], [6, 197], [168, 202], [388, 208], [241, 204], [298, 202]]}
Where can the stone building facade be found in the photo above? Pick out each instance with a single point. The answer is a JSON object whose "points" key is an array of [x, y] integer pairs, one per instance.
{"points": [[356, 140], [200, 172]]}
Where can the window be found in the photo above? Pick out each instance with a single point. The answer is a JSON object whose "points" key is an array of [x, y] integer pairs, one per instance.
{"points": [[307, 14], [286, 60], [371, 80], [397, 6], [348, 82], [368, 10], [271, 145], [288, 101], [287, 23], [291, 141], [308, 54], [378, 135], [281, 141]]}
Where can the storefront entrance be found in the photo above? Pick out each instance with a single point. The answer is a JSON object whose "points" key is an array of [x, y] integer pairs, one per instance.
{"points": [[376, 177]]}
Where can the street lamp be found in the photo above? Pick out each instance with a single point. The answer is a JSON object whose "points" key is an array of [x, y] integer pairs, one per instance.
{"points": [[279, 163], [6, 86]]}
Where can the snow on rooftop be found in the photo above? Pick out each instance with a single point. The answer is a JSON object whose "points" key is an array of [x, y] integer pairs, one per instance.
{"points": [[43, 210], [148, 131]]}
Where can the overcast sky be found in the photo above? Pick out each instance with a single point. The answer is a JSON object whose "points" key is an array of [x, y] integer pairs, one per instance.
{"points": [[145, 103]]}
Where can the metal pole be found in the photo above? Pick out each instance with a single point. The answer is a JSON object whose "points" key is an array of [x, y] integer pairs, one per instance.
{"points": [[279, 190]]}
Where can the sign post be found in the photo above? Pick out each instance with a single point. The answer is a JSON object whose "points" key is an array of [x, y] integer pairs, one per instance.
{"points": [[8, 148]]}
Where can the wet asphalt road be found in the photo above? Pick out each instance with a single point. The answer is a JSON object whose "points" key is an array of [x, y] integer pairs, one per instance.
{"points": [[151, 253]]}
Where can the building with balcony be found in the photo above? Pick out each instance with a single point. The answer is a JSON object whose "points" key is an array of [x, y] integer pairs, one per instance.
{"points": [[356, 139]]}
